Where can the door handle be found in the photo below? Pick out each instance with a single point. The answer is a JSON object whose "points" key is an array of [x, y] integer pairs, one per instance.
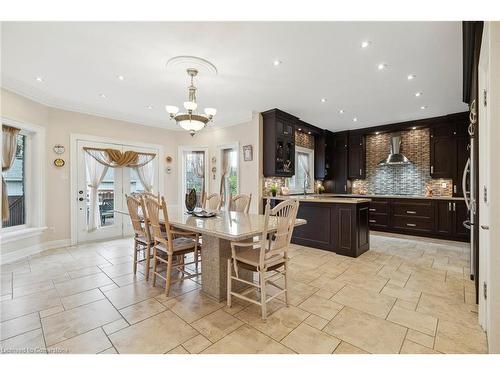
{"points": [[432, 169], [449, 206], [373, 209], [454, 206], [372, 221], [485, 227], [80, 199], [411, 212], [411, 225]]}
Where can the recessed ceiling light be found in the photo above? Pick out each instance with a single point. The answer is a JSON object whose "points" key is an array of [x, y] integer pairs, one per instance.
{"points": [[277, 62], [300, 129], [39, 79], [341, 111], [411, 76], [120, 77], [381, 66], [103, 96], [414, 127], [365, 43], [355, 119], [377, 133], [309, 133], [417, 94], [150, 107], [323, 100], [423, 107]]}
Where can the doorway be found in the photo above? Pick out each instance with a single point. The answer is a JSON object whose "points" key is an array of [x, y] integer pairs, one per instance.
{"points": [[194, 173], [102, 219]]}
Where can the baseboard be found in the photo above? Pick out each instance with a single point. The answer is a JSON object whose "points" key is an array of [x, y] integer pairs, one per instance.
{"points": [[13, 256]]}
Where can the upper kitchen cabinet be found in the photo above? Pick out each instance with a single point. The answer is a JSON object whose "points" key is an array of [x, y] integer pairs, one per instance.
{"points": [[279, 143], [356, 156], [338, 159], [319, 156]]}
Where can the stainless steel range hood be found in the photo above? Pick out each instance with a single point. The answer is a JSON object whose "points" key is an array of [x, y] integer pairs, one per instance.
{"points": [[395, 157]]}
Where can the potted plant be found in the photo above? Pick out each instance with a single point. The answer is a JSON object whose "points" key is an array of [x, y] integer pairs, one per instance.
{"points": [[274, 190], [321, 189]]}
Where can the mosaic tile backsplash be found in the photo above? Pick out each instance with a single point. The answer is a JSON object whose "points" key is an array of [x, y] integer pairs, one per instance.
{"points": [[410, 179]]}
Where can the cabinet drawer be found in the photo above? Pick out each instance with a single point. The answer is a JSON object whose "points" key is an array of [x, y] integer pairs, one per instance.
{"points": [[416, 224], [423, 209], [378, 220], [380, 207]]}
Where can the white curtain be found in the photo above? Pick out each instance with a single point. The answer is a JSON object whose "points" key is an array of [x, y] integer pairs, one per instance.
{"points": [[224, 182], [9, 147], [146, 172], [95, 173], [304, 164]]}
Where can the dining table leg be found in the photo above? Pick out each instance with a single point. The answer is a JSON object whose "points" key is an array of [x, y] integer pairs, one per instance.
{"points": [[214, 255]]}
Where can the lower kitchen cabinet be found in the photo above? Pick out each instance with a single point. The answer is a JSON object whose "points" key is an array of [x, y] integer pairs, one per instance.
{"points": [[422, 217]]}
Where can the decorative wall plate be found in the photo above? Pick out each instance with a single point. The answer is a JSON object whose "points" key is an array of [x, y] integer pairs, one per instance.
{"points": [[59, 163], [59, 149]]}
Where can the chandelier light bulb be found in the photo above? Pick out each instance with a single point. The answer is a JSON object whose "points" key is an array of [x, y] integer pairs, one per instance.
{"points": [[172, 109], [190, 106], [210, 112]]}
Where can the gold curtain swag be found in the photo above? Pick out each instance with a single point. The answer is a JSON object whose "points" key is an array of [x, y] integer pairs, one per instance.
{"points": [[116, 159]]}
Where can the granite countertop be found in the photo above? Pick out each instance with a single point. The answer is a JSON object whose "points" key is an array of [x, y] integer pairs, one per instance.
{"points": [[394, 196], [322, 198]]}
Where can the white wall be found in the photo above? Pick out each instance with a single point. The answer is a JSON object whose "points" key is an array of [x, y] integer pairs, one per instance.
{"points": [[493, 263], [60, 124]]}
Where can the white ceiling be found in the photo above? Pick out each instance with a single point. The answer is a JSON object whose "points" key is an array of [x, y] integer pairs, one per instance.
{"points": [[78, 61]]}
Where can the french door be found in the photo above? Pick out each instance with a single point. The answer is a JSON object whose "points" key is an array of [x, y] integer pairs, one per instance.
{"points": [[116, 183], [194, 172]]}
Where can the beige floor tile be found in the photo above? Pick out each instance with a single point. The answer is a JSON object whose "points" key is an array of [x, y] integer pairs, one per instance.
{"points": [[25, 305], [366, 331], [298, 292], [308, 340], [109, 351], [326, 283], [118, 269], [51, 311], [115, 326], [178, 350], [74, 286], [346, 348], [91, 342], [26, 290], [454, 337], [130, 294], [86, 271], [19, 325], [193, 305], [410, 347], [67, 324], [128, 279], [448, 310], [158, 334], [370, 282], [247, 340], [445, 290], [420, 338], [217, 325], [75, 300], [405, 294], [278, 324], [35, 277], [365, 300], [324, 308], [197, 344], [142, 310], [316, 321], [412, 306], [27, 343], [324, 294], [415, 320]]}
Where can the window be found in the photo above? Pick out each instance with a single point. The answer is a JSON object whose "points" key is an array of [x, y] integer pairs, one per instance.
{"points": [[135, 182], [229, 158], [303, 180], [193, 172], [16, 186]]}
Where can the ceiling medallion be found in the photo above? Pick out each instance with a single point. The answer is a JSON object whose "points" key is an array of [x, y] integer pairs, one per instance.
{"points": [[191, 120]]}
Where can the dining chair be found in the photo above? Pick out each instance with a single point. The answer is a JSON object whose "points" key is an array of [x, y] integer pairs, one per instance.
{"points": [[240, 203], [171, 246], [142, 235], [267, 257], [212, 202], [147, 194]]}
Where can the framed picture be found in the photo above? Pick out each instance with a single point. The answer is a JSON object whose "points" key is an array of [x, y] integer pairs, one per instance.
{"points": [[247, 153]]}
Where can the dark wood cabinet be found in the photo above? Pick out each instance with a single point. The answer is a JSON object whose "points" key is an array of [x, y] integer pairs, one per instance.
{"points": [[319, 156], [443, 157], [279, 143], [460, 214], [338, 160], [463, 152], [443, 218], [356, 156]]}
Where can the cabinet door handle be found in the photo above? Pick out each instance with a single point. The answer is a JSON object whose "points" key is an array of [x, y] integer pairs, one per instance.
{"points": [[432, 169], [455, 189], [411, 225], [373, 209], [345, 187], [360, 171], [485, 227], [372, 221], [454, 206], [411, 212]]}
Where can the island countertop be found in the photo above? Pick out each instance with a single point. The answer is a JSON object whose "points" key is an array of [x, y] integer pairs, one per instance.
{"points": [[321, 198]]}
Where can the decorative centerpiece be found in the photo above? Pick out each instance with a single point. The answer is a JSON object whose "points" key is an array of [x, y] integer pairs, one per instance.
{"points": [[191, 200], [321, 189], [273, 189]]}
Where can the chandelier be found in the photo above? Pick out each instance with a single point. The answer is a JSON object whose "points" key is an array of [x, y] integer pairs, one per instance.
{"points": [[191, 120]]}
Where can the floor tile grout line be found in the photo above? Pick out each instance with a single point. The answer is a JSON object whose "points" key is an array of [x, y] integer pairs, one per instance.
{"points": [[43, 334]]}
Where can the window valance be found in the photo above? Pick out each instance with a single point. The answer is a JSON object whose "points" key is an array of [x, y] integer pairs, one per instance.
{"points": [[117, 159]]}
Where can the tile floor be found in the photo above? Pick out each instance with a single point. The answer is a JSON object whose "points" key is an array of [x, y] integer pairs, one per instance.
{"points": [[405, 295]]}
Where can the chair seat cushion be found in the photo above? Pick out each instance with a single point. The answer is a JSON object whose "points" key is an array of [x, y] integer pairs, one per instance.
{"points": [[181, 245], [249, 259]]}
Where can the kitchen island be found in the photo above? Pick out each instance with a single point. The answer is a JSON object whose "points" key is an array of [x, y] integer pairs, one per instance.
{"points": [[335, 224]]}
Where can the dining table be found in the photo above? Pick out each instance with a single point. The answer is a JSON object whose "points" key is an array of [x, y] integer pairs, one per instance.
{"points": [[217, 233]]}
